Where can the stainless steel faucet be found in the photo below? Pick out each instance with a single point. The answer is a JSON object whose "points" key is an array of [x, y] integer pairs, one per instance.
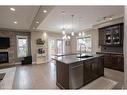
{"points": [[81, 47]]}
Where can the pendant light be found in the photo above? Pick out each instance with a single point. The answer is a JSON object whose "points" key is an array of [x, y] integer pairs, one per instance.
{"points": [[72, 32], [63, 29]]}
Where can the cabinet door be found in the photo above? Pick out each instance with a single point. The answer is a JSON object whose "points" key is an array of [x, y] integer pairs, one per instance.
{"points": [[100, 66], [108, 36], [107, 61], [90, 70], [114, 62], [121, 63], [118, 63], [87, 72]]}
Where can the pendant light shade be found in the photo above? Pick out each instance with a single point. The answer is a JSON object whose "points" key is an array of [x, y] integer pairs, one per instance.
{"points": [[72, 32]]}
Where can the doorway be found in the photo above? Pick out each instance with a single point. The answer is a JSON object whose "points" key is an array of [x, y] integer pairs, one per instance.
{"points": [[55, 46]]}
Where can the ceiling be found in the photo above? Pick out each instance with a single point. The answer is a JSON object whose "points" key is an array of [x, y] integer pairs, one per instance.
{"points": [[84, 17], [24, 15], [52, 20]]}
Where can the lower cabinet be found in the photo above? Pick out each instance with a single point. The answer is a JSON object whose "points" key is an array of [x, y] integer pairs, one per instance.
{"points": [[93, 69], [77, 74], [114, 62]]}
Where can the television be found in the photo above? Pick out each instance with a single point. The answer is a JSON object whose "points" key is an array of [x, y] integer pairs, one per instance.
{"points": [[4, 42]]}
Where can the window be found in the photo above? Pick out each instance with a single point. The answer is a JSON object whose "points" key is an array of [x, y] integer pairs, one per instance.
{"points": [[84, 43], [22, 46]]}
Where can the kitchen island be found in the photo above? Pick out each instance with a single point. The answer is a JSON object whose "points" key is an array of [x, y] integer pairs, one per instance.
{"points": [[75, 70]]}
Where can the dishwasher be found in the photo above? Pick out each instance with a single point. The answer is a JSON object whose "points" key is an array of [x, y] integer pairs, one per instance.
{"points": [[76, 75]]}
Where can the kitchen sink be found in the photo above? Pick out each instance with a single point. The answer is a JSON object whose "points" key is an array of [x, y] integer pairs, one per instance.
{"points": [[84, 56]]}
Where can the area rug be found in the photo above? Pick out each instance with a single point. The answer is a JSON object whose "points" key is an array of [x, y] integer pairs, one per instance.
{"points": [[101, 83], [7, 81], [2, 76]]}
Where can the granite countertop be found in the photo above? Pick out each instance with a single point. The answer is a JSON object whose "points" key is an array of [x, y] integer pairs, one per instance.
{"points": [[58, 55], [72, 58], [110, 53]]}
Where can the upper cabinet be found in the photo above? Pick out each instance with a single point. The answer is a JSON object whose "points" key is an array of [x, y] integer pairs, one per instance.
{"points": [[111, 35]]}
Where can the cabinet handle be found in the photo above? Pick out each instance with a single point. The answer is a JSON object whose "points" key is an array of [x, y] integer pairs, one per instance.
{"points": [[77, 66]]}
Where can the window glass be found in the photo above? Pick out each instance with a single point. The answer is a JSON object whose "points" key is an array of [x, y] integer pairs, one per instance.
{"points": [[84, 44], [22, 46]]}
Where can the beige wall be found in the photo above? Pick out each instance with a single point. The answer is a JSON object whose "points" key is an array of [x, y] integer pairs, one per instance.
{"points": [[94, 35], [125, 48], [36, 35]]}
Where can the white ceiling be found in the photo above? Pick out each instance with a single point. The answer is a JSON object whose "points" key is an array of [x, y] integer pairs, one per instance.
{"points": [[84, 17], [24, 15]]}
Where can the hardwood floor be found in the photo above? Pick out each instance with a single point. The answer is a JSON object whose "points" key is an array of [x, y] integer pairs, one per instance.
{"points": [[35, 77], [43, 76], [7, 81]]}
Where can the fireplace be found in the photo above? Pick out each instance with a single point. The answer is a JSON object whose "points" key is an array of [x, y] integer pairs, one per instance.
{"points": [[3, 57]]}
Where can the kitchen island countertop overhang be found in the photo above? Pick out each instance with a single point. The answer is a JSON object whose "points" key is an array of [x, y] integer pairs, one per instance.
{"points": [[71, 58]]}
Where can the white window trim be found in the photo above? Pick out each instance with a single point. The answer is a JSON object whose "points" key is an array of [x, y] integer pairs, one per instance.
{"points": [[17, 37]]}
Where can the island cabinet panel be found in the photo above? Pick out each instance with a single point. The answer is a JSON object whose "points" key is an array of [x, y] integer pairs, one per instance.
{"points": [[62, 75], [100, 66], [90, 70], [77, 74], [93, 69]]}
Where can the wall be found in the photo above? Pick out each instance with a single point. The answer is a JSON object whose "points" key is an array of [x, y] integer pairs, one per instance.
{"points": [[12, 51], [94, 35], [34, 37], [73, 42], [125, 48], [41, 34]]}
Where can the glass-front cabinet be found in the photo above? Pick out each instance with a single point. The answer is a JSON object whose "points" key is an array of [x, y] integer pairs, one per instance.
{"points": [[111, 35]]}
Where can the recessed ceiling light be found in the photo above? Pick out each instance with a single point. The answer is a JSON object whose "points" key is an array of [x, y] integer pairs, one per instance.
{"points": [[15, 22], [79, 34], [45, 34], [12, 9], [37, 21], [72, 33], [44, 11], [63, 32]]}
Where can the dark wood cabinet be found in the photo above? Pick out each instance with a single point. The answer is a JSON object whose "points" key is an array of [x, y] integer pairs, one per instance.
{"points": [[111, 35], [90, 70], [77, 74], [114, 62], [93, 69], [100, 66]]}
